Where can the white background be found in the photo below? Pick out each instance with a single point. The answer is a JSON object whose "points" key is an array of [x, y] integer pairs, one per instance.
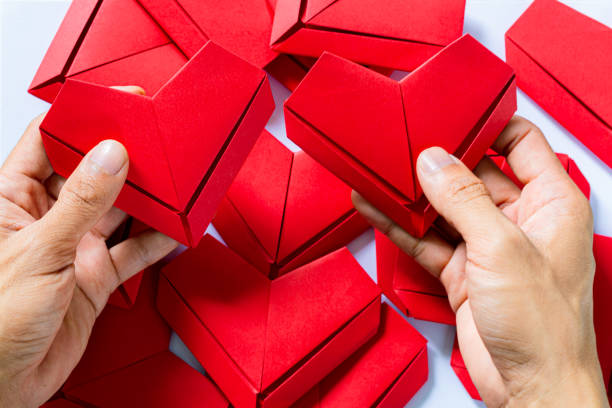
{"points": [[27, 27]]}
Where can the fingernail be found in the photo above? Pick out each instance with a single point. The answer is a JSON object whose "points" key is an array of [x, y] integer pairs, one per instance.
{"points": [[108, 156], [434, 159]]}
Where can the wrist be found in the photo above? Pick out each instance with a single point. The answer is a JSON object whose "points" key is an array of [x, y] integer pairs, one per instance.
{"points": [[576, 386]]}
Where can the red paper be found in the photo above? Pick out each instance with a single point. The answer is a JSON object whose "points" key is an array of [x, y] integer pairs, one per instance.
{"points": [[186, 142], [368, 129], [160, 381], [402, 35], [144, 42], [289, 70], [263, 219], [385, 372], [563, 63], [110, 42], [122, 337], [265, 343], [125, 295], [416, 292]]}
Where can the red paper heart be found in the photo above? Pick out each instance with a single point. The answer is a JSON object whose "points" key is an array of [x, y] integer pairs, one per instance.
{"points": [[186, 142], [368, 129], [265, 342], [144, 42], [284, 209]]}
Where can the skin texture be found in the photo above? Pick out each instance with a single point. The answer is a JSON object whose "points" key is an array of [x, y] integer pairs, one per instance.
{"points": [[56, 272], [518, 268]]}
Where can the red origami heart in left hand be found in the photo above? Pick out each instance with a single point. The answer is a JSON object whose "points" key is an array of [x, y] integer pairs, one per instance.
{"points": [[186, 142]]}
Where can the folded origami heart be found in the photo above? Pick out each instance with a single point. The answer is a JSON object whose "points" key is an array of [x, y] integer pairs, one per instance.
{"points": [[284, 210], [160, 381], [414, 290], [186, 142], [266, 343], [123, 337], [125, 295], [368, 129], [402, 34], [563, 63], [384, 373], [144, 42]]}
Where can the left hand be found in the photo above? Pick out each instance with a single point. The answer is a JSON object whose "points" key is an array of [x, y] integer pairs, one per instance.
{"points": [[56, 272]]}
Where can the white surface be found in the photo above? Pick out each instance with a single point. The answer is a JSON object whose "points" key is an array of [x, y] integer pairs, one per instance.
{"points": [[27, 27]]}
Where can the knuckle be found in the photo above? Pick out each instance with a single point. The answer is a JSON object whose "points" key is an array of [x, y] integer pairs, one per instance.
{"points": [[83, 193], [580, 209], [143, 254], [417, 248], [500, 245], [465, 189]]}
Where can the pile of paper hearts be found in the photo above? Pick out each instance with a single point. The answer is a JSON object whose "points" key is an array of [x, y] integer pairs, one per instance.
{"points": [[280, 314]]}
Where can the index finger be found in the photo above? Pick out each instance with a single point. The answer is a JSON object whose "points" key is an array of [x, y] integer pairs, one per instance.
{"points": [[28, 156], [526, 150]]}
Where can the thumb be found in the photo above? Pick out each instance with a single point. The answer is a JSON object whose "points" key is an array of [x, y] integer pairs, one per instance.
{"points": [[458, 195], [88, 193]]}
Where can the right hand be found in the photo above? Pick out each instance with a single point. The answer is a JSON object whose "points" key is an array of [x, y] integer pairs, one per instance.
{"points": [[519, 274]]}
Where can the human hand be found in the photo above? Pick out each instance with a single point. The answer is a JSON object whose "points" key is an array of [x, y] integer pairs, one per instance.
{"points": [[56, 272], [518, 269]]}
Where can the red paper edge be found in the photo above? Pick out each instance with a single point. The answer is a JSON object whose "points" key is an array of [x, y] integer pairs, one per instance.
{"points": [[353, 226], [202, 343], [357, 332], [563, 106], [428, 307], [404, 55], [66, 32], [257, 114], [408, 383]]}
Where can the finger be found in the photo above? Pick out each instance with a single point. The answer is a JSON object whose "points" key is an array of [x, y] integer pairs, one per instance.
{"points": [[88, 193], [109, 223], [477, 358], [54, 185], [528, 153], [447, 231], [431, 252], [459, 196], [503, 191], [29, 157], [25, 192], [135, 89], [135, 254]]}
